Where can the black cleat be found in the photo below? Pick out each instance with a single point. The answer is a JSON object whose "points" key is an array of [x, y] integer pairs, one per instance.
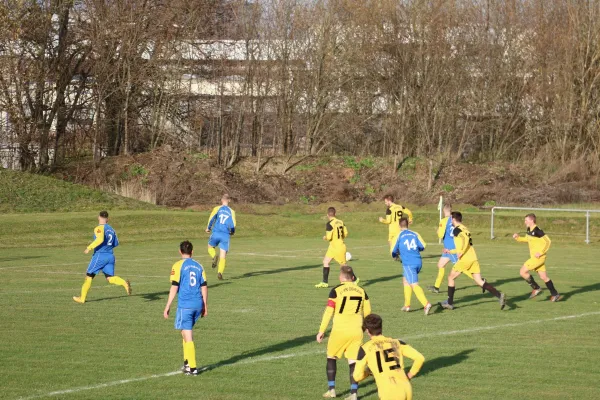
{"points": [[220, 276], [185, 367], [483, 288], [433, 289], [446, 305], [215, 261], [502, 301]]}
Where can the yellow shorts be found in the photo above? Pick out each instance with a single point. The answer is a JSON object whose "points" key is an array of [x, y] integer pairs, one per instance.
{"points": [[395, 391], [344, 344], [392, 239], [338, 253], [536, 264], [468, 267]]}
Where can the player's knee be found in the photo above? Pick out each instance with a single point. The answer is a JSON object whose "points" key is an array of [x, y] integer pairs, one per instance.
{"points": [[90, 275]]}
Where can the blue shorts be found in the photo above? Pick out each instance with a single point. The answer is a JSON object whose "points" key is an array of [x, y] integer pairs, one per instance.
{"points": [[102, 262], [186, 318], [452, 257], [411, 273], [219, 239]]}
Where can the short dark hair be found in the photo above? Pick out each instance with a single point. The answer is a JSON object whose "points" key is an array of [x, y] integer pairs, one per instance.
{"points": [[331, 211], [186, 247], [389, 197], [531, 216], [103, 214], [457, 216], [373, 323], [403, 223], [347, 271]]}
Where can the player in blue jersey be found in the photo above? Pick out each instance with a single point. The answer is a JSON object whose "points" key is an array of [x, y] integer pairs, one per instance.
{"points": [[445, 232], [188, 283], [408, 248], [222, 225], [103, 260]]}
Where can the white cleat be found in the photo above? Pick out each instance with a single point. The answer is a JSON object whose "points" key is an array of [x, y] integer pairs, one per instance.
{"points": [[427, 308], [330, 394]]}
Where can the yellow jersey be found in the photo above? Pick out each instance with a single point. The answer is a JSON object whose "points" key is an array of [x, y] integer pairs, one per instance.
{"points": [[393, 215], [336, 231], [348, 303], [383, 357], [463, 243], [538, 241]]}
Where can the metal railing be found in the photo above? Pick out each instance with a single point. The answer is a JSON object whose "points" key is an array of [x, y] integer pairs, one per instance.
{"points": [[586, 212]]}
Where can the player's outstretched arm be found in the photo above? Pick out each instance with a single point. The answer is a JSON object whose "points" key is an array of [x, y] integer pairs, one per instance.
{"points": [[519, 238], [388, 218], [172, 294], [418, 359], [461, 241]]}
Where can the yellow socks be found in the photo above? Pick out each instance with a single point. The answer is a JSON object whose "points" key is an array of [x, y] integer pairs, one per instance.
{"points": [[407, 295], [185, 359], [420, 295], [221, 265], [212, 252], [115, 280], [189, 353], [440, 277], [87, 284]]}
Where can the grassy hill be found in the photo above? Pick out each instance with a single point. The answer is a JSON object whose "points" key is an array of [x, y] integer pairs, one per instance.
{"points": [[25, 192]]}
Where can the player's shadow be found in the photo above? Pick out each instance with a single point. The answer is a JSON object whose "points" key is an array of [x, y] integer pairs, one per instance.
{"points": [[262, 351], [429, 367], [275, 271], [579, 290], [546, 294], [154, 296], [7, 259], [382, 279], [496, 283]]}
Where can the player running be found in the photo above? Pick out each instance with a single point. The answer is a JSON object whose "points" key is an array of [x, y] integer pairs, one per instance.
{"points": [[467, 263], [348, 304], [335, 233], [188, 283], [539, 244], [445, 232], [103, 260], [384, 358], [222, 224], [408, 248], [392, 217]]}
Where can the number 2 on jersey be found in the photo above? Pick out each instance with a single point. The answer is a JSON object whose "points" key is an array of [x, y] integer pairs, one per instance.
{"points": [[110, 240]]}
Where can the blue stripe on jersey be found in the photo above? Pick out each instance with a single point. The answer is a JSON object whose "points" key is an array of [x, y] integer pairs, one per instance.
{"points": [[223, 221], [191, 279], [110, 241], [409, 247], [449, 235]]}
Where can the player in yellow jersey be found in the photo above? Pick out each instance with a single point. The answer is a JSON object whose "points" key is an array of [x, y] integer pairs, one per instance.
{"points": [[393, 215], [335, 233], [539, 244], [384, 358], [103, 260], [348, 304], [467, 263]]}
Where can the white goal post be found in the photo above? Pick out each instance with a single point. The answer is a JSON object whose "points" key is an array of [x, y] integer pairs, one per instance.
{"points": [[586, 212]]}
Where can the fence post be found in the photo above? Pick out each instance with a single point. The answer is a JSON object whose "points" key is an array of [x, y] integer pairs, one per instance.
{"points": [[492, 224], [587, 227]]}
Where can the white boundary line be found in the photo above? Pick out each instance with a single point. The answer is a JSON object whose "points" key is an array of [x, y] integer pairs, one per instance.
{"points": [[292, 355]]}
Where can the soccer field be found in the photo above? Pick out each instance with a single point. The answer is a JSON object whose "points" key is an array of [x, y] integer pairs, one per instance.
{"points": [[258, 341]]}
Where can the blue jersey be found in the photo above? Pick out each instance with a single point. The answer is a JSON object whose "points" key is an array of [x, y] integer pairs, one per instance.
{"points": [[105, 239], [190, 277], [222, 220], [449, 235], [409, 247]]}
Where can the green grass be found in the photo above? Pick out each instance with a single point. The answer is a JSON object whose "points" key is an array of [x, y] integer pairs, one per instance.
{"points": [[259, 334], [25, 192]]}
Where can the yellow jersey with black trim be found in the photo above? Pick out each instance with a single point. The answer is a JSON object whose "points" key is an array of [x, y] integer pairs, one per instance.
{"points": [[463, 243], [348, 303], [538, 241], [393, 215], [336, 231], [383, 357]]}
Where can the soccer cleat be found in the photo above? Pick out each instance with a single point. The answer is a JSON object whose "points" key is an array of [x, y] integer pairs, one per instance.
{"points": [[78, 300], [352, 396], [330, 394], [482, 287], [185, 367], [433, 289], [322, 285], [128, 288], [502, 301], [535, 292], [220, 276], [447, 305], [191, 372], [556, 298], [427, 308], [215, 261], [405, 308]]}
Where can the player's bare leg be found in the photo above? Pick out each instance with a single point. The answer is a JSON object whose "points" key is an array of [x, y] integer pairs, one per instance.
{"points": [[189, 353], [325, 282], [221, 261], [353, 383], [331, 372], [554, 295], [488, 287], [449, 303], [443, 261]]}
